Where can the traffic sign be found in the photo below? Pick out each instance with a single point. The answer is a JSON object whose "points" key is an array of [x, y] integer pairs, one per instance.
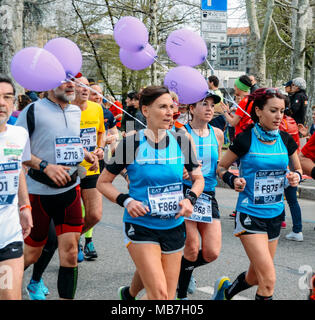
{"points": [[213, 51], [213, 26], [214, 37], [215, 5]]}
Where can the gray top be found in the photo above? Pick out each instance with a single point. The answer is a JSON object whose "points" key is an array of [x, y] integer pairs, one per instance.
{"points": [[51, 122]]}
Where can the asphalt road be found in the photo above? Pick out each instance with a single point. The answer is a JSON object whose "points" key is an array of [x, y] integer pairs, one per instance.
{"points": [[100, 279]]}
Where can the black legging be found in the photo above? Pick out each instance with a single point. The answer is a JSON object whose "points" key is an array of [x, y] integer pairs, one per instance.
{"points": [[47, 253]]}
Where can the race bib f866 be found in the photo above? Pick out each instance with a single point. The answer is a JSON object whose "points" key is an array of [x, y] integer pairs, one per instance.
{"points": [[9, 182]]}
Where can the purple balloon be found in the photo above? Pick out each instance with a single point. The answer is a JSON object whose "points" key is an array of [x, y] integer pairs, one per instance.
{"points": [[137, 60], [37, 69], [185, 47], [67, 52], [131, 34], [187, 83]]}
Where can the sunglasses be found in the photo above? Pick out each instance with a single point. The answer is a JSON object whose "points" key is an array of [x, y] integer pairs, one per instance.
{"points": [[271, 91]]}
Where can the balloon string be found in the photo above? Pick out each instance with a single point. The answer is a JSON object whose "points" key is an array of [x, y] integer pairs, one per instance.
{"points": [[156, 60], [232, 100], [99, 94]]}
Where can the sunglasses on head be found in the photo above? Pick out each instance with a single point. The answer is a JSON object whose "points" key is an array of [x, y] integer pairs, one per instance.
{"points": [[271, 91]]}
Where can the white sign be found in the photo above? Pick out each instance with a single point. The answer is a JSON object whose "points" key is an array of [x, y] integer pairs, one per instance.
{"points": [[213, 51], [214, 37], [214, 15], [211, 26]]}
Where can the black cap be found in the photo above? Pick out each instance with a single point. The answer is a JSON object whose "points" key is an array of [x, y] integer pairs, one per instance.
{"points": [[215, 97], [288, 84]]}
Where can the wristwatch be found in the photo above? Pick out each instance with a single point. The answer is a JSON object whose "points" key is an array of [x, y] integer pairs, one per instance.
{"points": [[192, 197], [43, 165]]}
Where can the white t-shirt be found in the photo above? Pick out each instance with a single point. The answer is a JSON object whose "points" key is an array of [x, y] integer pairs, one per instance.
{"points": [[14, 148]]}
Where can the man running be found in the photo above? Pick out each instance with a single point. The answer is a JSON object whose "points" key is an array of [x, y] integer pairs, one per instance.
{"points": [[15, 209], [92, 138], [53, 182]]}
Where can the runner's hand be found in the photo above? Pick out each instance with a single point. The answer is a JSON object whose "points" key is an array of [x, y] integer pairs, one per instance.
{"points": [[58, 174], [239, 184], [99, 153], [293, 178], [136, 209], [186, 174], [26, 222], [93, 159], [186, 208]]}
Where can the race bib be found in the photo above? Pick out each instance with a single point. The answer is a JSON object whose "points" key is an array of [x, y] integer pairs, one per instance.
{"points": [[9, 182], [202, 209], [164, 200], [269, 186], [88, 138], [69, 151]]}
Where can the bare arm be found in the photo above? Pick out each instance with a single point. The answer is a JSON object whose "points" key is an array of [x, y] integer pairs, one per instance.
{"points": [[25, 212], [307, 164]]}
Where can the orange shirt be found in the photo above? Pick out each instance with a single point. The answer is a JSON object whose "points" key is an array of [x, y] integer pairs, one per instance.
{"points": [[245, 119], [115, 111]]}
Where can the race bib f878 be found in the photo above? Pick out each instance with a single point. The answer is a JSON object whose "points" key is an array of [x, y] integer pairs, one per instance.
{"points": [[69, 151], [9, 182]]}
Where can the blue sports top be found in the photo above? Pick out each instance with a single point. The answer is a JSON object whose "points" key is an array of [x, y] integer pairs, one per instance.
{"points": [[208, 155], [156, 176], [264, 168]]}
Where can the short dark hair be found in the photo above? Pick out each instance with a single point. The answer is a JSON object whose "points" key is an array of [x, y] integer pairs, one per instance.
{"points": [[246, 80], [150, 94], [214, 80], [6, 79], [260, 98], [132, 95]]}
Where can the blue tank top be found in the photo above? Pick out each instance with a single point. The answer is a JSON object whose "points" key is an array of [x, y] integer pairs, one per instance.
{"points": [[208, 154], [156, 179], [264, 167]]}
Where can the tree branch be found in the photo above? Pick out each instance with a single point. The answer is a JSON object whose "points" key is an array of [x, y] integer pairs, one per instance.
{"points": [[278, 35], [99, 65]]}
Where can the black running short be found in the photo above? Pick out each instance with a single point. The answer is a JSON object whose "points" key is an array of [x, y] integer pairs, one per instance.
{"points": [[247, 224], [89, 182], [170, 240], [13, 250]]}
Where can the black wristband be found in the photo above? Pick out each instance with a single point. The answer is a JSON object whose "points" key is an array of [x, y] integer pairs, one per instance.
{"points": [[192, 197], [229, 178], [313, 173], [121, 198], [299, 175]]}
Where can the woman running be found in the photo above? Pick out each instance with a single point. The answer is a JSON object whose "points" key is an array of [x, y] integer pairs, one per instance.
{"points": [[155, 206], [265, 153], [205, 220]]}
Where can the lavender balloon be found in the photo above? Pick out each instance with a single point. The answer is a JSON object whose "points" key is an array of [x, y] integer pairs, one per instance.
{"points": [[138, 60], [37, 69], [131, 34], [67, 52], [185, 47], [187, 83]]}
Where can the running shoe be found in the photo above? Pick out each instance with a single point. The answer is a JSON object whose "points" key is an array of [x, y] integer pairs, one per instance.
{"points": [[122, 295], [35, 291], [44, 288], [219, 288], [80, 253], [192, 285], [89, 251], [294, 236]]}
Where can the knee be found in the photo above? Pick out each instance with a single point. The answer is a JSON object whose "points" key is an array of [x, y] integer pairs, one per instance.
{"points": [[69, 255], [31, 256], [158, 293], [191, 252], [211, 255], [93, 217]]}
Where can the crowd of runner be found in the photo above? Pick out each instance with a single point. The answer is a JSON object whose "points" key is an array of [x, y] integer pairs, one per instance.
{"points": [[61, 150]]}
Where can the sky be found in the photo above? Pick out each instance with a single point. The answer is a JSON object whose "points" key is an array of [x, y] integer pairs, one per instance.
{"points": [[237, 14]]}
